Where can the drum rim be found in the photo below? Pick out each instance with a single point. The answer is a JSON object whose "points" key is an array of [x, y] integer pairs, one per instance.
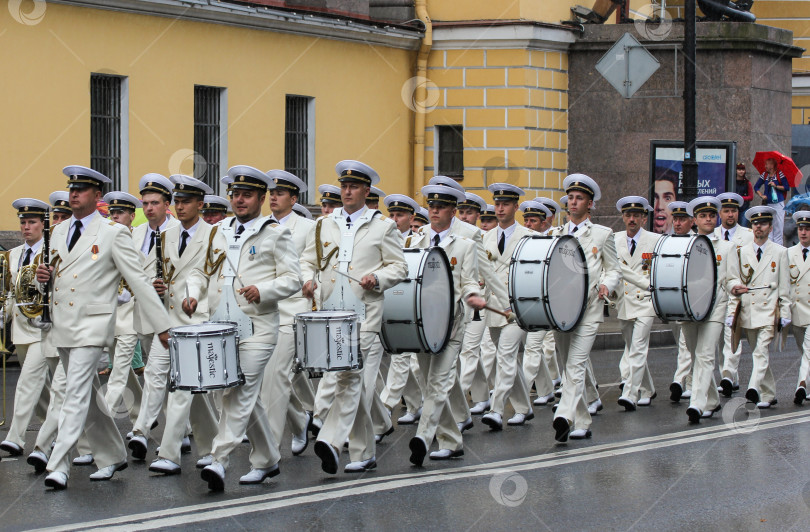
{"points": [[174, 333], [713, 262], [323, 315]]}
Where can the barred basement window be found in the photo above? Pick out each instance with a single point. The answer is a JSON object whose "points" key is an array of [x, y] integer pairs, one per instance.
{"points": [[299, 140], [209, 135], [107, 136], [451, 150]]}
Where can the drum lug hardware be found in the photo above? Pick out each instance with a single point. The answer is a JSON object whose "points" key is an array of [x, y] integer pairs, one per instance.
{"points": [[673, 255], [668, 288], [531, 261], [528, 299]]}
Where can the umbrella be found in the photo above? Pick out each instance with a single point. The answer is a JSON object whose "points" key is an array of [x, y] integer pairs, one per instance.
{"points": [[796, 202], [783, 163]]}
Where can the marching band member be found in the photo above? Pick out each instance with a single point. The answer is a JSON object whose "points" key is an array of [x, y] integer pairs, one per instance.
{"points": [[702, 337], [32, 384], [373, 198], [471, 208], [488, 219], [681, 386], [633, 247], [369, 247], [400, 382], [89, 257], [800, 310], [509, 380], [156, 196], [536, 351], [420, 219], [260, 257], [553, 208], [215, 209], [439, 370], [122, 207], [740, 236], [763, 312], [572, 416], [60, 211], [184, 248], [277, 389], [330, 198]]}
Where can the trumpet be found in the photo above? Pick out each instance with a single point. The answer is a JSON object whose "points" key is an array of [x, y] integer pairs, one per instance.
{"points": [[5, 289]]}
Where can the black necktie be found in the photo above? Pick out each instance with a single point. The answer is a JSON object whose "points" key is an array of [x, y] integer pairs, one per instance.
{"points": [[502, 243], [183, 238], [348, 222], [151, 242], [727, 238], [759, 254], [804, 254], [632, 247], [436, 239], [77, 233], [576, 228], [27, 259], [239, 231]]}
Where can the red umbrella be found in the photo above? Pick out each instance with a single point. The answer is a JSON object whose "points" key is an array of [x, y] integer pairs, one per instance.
{"points": [[783, 164]]}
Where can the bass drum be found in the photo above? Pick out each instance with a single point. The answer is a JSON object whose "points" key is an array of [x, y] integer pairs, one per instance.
{"points": [[683, 277], [418, 313], [548, 283]]}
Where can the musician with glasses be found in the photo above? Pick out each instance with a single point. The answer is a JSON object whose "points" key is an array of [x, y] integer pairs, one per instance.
{"points": [[32, 391], [89, 256]]}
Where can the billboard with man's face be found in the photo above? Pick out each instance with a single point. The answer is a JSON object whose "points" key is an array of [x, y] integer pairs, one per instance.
{"points": [[716, 162]]}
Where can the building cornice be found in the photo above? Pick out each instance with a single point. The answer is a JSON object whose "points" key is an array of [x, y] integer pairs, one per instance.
{"points": [[265, 18], [501, 35]]}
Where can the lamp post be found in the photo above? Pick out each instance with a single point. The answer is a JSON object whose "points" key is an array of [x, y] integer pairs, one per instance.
{"points": [[690, 165]]}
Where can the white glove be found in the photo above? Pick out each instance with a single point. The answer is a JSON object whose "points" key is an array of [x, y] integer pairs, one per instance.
{"points": [[785, 322], [124, 297], [37, 322], [729, 321]]}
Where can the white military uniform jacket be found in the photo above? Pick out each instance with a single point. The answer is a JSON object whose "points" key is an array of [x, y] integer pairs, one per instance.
{"points": [[22, 332], [140, 320], [725, 253], [500, 265], [300, 228], [800, 286], [635, 271], [177, 271], [267, 260], [599, 245], [377, 249], [759, 307], [742, 235], [85, 284]]}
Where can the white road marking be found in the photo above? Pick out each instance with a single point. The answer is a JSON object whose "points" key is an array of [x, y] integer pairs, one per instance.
{"points": [[313, 494]]}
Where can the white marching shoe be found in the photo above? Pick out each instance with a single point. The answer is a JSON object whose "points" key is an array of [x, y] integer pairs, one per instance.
{"points": [[205, 461], [520, 419], [362, 466], [215, 476], [164, 466], [595, 407], [56, 480], [493, 420], [106, 473], [258, 475], [480, 408], [85, 459], [410, 418], [544, 400], [467, 424]]}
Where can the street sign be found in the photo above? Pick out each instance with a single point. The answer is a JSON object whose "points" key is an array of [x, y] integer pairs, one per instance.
{"points": [[627, 65]]}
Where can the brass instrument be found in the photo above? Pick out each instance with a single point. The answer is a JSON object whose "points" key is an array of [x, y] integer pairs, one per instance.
{"points": [[5, 290], [29, 299]]}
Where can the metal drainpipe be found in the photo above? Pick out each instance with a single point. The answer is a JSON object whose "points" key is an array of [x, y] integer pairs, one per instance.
{"points": [[420, 99]]}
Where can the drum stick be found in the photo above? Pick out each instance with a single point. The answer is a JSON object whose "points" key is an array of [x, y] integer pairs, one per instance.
{"points": [[509, 317], [348, 276], [233, 268], [188, 302]]}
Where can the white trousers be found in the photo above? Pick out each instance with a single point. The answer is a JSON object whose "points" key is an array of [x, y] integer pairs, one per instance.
{"points": [[155, 383], [636, 335], [243, 412], [803, 341], [122, 384], [536, 356], [31, 393], [683, 370], [761, 376], [731, 359], [47, 432], [184, 407], [83, 409], [702, 340], [477, 360], [509, 380], [574, 348]]}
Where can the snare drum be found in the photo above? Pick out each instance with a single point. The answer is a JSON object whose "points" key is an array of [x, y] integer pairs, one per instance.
{"points": [[204, 357], [418, 313], [328, 340], [683, 277], [548, 283]]}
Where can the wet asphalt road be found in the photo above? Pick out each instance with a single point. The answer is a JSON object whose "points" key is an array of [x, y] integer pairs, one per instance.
{"points": [[641, 470]]}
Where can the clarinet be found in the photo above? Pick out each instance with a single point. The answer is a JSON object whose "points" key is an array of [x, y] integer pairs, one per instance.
{"points": [[45, 259], [158, 255]]}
